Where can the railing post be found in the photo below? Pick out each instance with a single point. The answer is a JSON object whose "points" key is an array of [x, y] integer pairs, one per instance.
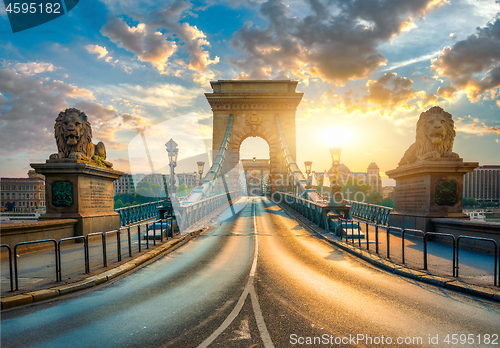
{"points": [[10, 265], [154, 233], [104, 253], [119, 242], [129, 242], [139, 236]]}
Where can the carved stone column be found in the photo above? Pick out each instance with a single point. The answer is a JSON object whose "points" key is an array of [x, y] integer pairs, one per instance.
{"points": [[427, 190], [80, 191]]}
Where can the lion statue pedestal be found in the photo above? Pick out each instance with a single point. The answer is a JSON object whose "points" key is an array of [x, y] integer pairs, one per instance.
{"points": [[78, 179], [429, 178]]}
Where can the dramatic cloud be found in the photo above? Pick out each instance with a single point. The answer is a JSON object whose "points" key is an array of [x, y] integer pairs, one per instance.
{"points": [[447, 92], [149, 45], [30, 68], [473, 64], [194, 39], [96, 49], [337, 42], [160, 95], [385, 95], [29, 109]]}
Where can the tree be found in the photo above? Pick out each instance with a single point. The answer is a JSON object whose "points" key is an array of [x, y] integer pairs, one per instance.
{"points": [[485, 204], [374, 197], [182, 190], [354, 190], [468, 202], [387, 202], [119, 204]]}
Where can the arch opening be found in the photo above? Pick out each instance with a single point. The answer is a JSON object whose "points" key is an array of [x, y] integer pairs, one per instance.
{"points": [[254, 153]]}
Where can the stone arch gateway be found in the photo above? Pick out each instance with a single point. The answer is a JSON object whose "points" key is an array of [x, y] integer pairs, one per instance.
{"points": [[254, 105]]}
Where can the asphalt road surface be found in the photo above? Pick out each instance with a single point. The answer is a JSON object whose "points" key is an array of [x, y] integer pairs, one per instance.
{"points": [[256, 280]]}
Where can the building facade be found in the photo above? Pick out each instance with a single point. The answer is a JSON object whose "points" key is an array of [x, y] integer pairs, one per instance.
{"points": [[483, 184], [23, 194], [128, 182], [370, 177]]}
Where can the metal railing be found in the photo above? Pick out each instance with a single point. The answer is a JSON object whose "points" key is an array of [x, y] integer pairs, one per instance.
{"points": [[316, 212], [192, 213], [16, 278], [495, 245], [425, 238], [454, 243], [165, 234], [10, 265], [411, 230], [139, 212], [370, 212]]}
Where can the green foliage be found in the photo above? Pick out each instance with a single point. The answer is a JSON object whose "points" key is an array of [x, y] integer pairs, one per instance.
{"points": [[487, 204], [387, 202], [182, 190], [129, 199], [148, 189], [352, 188], [374, 198], [469, 202], [119, 204]]}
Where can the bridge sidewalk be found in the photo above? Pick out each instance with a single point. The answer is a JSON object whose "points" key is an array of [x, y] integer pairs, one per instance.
{"points": [[33, 291], [31, 294], [451, 283]]}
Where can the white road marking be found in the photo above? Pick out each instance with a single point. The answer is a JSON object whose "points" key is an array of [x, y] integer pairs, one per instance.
{"points": [[243, 332], [249, 289]]}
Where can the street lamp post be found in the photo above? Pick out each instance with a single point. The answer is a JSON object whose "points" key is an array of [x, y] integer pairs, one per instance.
{"points": [[308, 165], [201, 164], [336, 196], [173, 153]]}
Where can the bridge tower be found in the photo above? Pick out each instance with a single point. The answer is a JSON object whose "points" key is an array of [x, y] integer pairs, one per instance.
{"points": [[254, 105]]}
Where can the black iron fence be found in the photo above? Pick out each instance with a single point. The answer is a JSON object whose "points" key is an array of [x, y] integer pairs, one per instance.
{"points": [[386, 238], [351, 234], [67, 257]]}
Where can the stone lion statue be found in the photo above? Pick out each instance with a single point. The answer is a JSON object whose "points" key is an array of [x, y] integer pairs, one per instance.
{"points": [[434, 139], [73, 135]]}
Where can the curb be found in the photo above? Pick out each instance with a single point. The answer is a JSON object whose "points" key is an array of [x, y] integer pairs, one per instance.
{"points": [[57, 291], [446, 283]]}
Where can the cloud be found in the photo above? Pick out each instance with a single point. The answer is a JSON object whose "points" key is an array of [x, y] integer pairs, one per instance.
{"points": [[30, 68], [473, 64], [474, 128], [195, 41], [159, 95], [99, 50], [385, 95], [30, 110], [149, 45], [447, 92], [337, 42]]}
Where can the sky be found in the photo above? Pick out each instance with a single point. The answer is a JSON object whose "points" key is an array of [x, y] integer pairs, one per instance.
{"points": [[367, 69]]}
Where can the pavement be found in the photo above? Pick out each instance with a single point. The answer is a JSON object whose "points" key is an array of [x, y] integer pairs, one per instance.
{"points": [[37, 292]]}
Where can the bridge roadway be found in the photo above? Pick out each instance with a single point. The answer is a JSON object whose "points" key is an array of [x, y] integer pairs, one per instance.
{"points": [[255, 280]]}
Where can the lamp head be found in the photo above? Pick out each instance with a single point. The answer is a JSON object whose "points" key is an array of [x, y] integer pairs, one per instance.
{"points": [[175, 154], [335, 153], [308, 165], [201, 165]]}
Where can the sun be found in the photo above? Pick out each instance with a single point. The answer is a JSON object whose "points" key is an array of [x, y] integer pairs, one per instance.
{"points": [[337, 136]]}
